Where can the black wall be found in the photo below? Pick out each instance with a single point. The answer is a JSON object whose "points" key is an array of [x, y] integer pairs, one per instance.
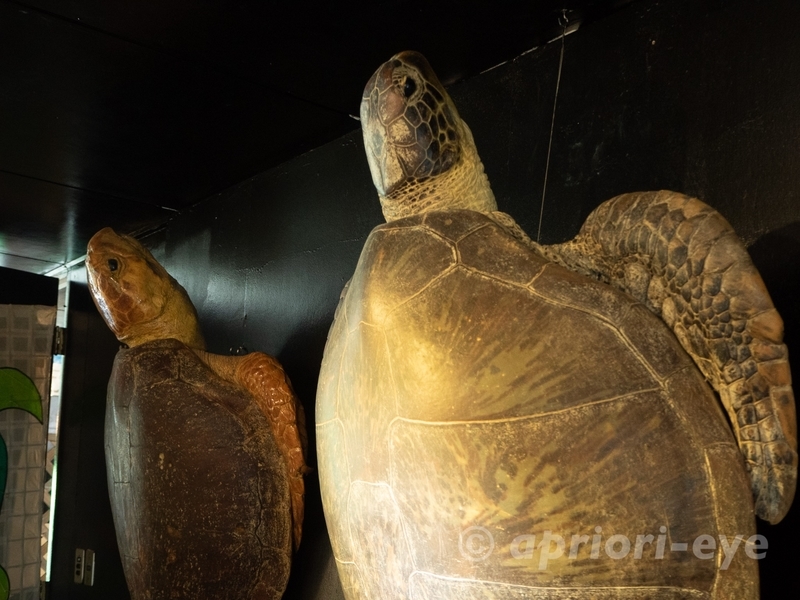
{"points": [[19, 287], [699, 96], [82, 507]]}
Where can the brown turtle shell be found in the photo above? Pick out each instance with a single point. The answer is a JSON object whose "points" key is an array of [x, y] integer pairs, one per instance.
{"points": [[472, 392], [198, 487]]}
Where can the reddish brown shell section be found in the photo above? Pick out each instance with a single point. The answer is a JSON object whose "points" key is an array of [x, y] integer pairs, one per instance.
{"points": [[198, 487]]}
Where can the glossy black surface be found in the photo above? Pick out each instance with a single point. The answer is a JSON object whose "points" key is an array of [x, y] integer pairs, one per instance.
{"points": [[117, 113], [697, 96]]}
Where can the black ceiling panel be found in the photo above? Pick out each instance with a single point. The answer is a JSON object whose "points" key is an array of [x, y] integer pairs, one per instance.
{"points": [[96, 112], [121, 112], [324, 52], [45, 225]]}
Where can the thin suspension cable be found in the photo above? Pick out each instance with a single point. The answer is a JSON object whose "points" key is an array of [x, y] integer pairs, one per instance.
{"points": [[552, 123]]}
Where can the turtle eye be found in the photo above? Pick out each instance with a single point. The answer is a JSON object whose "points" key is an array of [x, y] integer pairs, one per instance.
{"points": [[113, 265], [409, 87]]}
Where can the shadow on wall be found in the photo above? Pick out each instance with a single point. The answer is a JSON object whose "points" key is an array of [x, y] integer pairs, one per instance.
{"points": [[777, 256], [301, 357]]}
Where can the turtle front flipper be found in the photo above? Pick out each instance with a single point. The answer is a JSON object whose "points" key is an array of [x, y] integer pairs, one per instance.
{"points": [[683, 260], [264, 378]]}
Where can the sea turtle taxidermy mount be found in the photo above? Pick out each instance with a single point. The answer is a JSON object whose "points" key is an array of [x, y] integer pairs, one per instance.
{"points": [[204, 453], [482, 396]]}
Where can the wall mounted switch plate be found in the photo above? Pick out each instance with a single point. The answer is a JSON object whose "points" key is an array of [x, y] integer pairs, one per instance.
{"points": [[80, 556]]}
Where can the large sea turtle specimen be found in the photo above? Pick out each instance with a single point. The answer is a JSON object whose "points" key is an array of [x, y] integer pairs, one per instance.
{"points": [[494, 420], [204, 453]]}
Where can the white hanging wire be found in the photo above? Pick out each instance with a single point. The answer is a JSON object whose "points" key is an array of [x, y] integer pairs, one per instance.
{"points": [[564, 22]]}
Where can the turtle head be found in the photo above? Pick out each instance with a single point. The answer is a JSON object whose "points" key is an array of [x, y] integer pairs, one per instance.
{"points": [[135, 295], [421, 154]]}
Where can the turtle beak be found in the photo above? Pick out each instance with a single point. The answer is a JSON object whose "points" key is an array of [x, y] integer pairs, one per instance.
{"points": [[380, 156], [391, 144], [99, 240], [99, 256], [102, 239]]}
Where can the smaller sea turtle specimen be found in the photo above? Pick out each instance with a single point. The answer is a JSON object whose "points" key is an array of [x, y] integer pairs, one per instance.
{"points": [[476, 391], [204, 453]]}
